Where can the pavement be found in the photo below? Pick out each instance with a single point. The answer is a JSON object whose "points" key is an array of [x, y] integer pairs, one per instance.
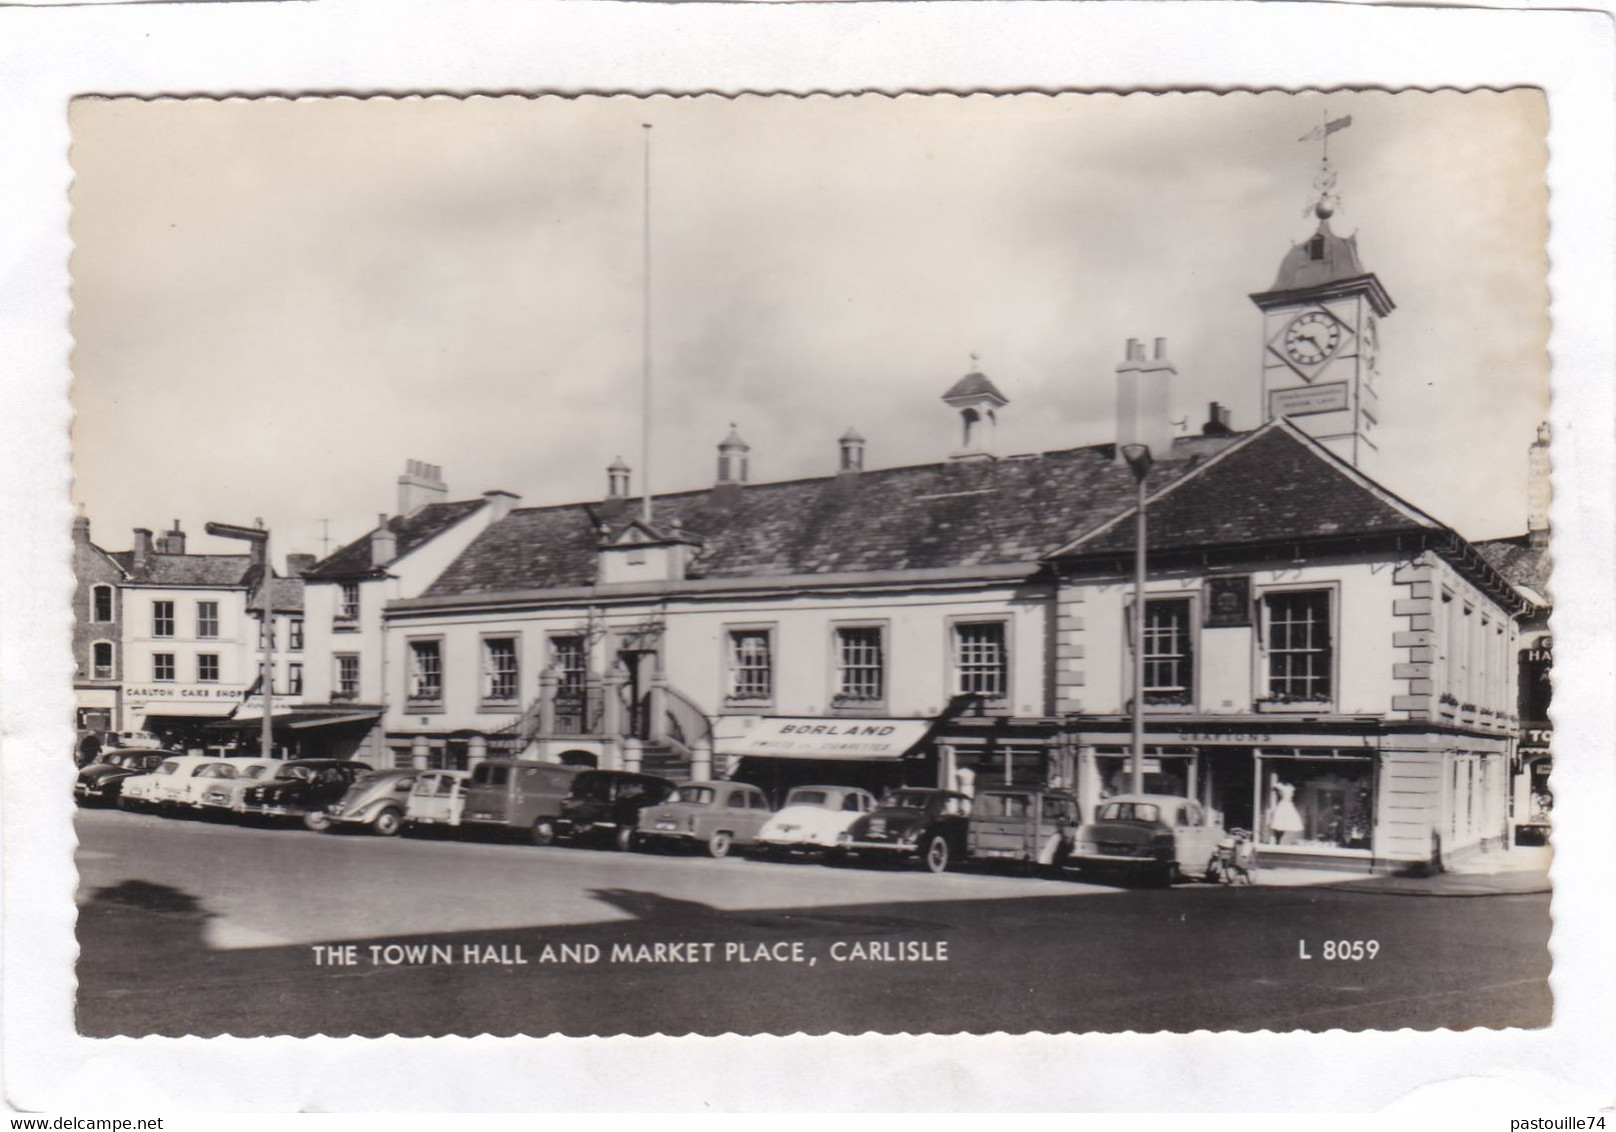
{"points": [[1513, 871], [190, 927]]}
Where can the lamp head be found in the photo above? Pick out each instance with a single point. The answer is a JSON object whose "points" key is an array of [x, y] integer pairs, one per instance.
{"points": [[1139, 459]]}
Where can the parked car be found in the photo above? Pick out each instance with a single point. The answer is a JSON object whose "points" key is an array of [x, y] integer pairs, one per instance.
{"points": [[1156, 837], [913, 823], [377, 800], [1028, 825], [223, 795], [813, 817], [145, 791], [183, 789], [719, 816], [521, 795], [438, 798], [302, 788], [607, 804], [101, 783]]}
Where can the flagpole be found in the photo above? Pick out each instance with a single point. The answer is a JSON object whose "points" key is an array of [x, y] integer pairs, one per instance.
{"points": [[645, 337]]}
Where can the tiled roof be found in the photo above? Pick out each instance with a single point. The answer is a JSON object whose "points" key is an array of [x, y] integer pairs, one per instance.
{"points": [[974, 385], [411, 531], [1339, 261], [955, 514], [287, 596], [1519, 561], [185, 569], [1276, 487]]}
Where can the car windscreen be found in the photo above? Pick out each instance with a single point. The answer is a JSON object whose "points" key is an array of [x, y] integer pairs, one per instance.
{"points": [[487, 774], [592, 788], [168, 768], [1130, 811], [216, 770], [807, 798], [695, 795], [252, 771], [910, 800]]}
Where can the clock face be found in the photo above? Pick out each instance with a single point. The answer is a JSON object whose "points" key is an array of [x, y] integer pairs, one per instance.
{"points": [[1371, 341], [1311, 337]]}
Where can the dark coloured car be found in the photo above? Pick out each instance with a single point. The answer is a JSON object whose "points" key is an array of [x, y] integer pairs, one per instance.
{"points": [[302, 788], [607, 803], [101, 782], [518, 795], [912, 823]]}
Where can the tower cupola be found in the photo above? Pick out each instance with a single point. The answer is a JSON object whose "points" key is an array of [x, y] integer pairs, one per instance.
{"points": [[734, 458], [852, 457], [617, 479], [978, 401]]}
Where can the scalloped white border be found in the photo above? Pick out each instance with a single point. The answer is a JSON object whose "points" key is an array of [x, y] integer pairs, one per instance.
{"points": [[399, 46]]}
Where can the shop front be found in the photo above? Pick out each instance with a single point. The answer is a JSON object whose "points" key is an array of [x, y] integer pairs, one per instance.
{"points": [[777, 753]]}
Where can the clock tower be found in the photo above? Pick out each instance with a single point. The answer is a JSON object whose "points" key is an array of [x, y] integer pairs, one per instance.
{"points": [[1321, 342]]}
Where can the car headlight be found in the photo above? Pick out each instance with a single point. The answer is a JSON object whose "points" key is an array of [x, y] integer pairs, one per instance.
{"points": [[844, 838], [909, 837], [336, 808]]}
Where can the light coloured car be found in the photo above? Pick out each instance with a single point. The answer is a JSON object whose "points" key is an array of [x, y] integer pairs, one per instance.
{"points": [[717, 816], [376, 801], [146, 791], [437, 799], [813, 818], [1156, 837], [223, 793], [183, 789]]}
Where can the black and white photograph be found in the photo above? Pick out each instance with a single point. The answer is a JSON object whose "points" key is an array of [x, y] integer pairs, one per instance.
{"points": [[1045, 563]]}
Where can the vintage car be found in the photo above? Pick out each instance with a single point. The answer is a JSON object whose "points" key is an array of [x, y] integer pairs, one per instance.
{"points": [[182, 791], [607, 803], [812, 818], [1024, 825], [437, 799], [718, 816], [376, 800], [223, 795], [912, 822], [517, 795], [145, 791], [101, 783], [301, 788], [1155, 837]]}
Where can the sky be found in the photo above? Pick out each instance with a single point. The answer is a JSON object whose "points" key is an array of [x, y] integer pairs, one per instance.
{"points": [[278, 302]]}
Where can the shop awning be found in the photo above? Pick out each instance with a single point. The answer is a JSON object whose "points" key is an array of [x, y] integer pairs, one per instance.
{"points": [[297, 720], [781, 737]]}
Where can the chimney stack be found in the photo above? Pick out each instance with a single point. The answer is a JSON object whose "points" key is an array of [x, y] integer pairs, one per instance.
{"points": [[1217, 420], [617, 479], [1538, 491], [143, 547], [299, 564], [852, 445], [421, 484], [81, 528], [499, 504], [1144, 395], [383, 543], [175, 540]]}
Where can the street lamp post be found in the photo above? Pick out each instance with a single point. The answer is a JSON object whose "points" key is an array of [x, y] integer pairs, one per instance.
{"points": [[259, 536], [1139, 461]]}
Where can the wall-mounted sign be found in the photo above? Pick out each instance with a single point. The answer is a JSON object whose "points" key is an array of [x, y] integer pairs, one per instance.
{"points": [[1536, 680], [1241, 737], [1228, 600], [1302, 400]]}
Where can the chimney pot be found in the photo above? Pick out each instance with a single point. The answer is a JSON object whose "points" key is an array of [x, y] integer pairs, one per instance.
{"points": [[383, 543], [1161, 348]]}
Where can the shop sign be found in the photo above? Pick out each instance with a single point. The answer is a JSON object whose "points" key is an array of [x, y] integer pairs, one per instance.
{"points": [[1242, 737], [1302, 400], [809, 738]]}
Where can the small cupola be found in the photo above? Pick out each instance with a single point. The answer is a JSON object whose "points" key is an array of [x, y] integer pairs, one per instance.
{"points": [[733, 458], [978, 401], [617, 479], [852, 458]]}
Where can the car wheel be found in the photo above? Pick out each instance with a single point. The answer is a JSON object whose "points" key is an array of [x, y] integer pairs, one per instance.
{"points": [[388, 823], [624, 840], [718, 845], [937, 855], [1169, 874], [544, 832], [317, 820]]}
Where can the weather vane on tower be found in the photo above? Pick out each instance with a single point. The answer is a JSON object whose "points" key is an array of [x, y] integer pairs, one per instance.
{"points": [[1324, 184]]}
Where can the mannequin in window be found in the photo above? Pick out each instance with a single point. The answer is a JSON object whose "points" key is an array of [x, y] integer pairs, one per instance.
{"points": [[1286, 820]]}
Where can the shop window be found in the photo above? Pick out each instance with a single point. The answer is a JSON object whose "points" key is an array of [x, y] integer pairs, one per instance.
{"points": [[103, 603], [1318, 803], [347, 676], [860, 665], [1169, 667], [426, 673], [500, 669], [981, 661], [348, 601], [1300, 652], [207, 668], [751, 666], [163, 666], [162, 619], [101, 658], [207, 619]]}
